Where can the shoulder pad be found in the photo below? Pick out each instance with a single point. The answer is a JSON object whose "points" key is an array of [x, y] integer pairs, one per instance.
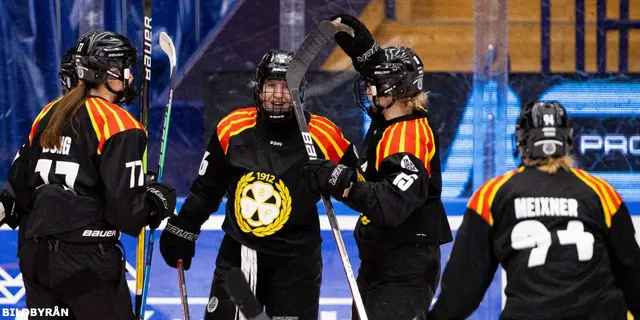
{"points": [[482, 199], [234, 123], [412, 136]]}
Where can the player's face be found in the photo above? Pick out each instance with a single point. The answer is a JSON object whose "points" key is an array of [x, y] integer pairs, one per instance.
{"points": [[275, 95]]}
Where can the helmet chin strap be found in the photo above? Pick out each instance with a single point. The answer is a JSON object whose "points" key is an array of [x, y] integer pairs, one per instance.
{"points": [[119, 94]]}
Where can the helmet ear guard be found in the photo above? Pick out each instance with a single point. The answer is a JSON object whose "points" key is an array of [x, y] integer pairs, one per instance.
{"points": [[544, 130]]}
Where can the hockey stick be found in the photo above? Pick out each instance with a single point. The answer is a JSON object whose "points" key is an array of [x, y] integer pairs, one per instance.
{"points": [[167, 46], [183, 291], [144, 118], [241, 295], [312, 44]]}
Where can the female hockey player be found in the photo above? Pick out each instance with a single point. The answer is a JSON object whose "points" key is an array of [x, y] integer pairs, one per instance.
{"points": [[79, 177], [271, 226], [403, 222], [563, 236]]}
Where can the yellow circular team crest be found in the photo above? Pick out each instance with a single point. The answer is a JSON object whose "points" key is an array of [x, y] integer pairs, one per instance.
{"points": [[262, 204]]}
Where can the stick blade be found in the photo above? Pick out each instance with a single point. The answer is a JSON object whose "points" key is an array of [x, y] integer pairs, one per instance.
{"points": [[240, 293], [312, 44], [167, 46]]}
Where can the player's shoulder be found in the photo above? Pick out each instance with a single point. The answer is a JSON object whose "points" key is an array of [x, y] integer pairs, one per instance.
{"points": [[108, 119], [41, 114], [483, 198], [234, 123], [413, 136], [318, 122], [238, 115], [606, 194]]}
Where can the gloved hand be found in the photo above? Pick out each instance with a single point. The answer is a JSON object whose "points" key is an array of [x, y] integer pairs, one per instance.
{"points": [[8, 212], [360, 47], [162, 198], [178, 241], [327, 177]]}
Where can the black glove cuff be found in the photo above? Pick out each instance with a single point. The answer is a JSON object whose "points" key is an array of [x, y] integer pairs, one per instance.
{"points": [[182, 229]]}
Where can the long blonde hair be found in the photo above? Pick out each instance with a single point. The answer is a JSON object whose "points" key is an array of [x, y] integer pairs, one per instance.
{"points": [[417, 102], [550, 165]]}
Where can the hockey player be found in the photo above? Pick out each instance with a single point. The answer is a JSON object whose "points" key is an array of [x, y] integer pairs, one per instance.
{"points": [[79, 176], [403, 222], [271, 227], [563, 236]]}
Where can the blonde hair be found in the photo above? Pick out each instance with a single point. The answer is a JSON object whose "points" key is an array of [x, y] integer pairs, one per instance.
{"points": [[417, 102], [550, 165]]}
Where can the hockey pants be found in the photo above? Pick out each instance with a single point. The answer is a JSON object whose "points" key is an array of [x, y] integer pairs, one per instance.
{"points": [[288, 287], [89, 280], [399, 284]]}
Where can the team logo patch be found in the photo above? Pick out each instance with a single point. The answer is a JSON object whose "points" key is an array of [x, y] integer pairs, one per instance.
{"points": [[262, 204], [212, 305], [407, 164]]}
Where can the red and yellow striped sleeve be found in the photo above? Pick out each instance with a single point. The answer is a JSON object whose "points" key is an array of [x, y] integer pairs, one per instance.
{"points": [[234, 123], [328, 137], [482, 199], [108, 119], [609, 197], [414, 137], [36, 121]]}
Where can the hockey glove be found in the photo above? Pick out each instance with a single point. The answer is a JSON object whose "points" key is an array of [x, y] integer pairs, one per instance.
{"points": [[326, 177], [360, 47], [162, 198], [8, 210], [178, 241]]}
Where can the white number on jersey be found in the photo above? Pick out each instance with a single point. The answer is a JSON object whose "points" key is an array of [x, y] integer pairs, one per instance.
{"points": [[532, 234], [204, 164], [66, 168], [403, 181], [132, 181]]}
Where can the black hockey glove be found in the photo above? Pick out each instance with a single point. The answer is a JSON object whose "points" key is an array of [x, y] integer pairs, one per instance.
{"points": [[162, 198], [8, 210], [360, 47], [178, 241], [327, 177]]}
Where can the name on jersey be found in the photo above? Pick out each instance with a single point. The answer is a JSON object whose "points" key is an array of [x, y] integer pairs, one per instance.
{"points": [[545, 207], [65, 146]]}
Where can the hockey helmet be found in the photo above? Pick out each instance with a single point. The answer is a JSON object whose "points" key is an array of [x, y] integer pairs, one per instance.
{"points": [[393, 71], [273, 66], [67, 74], [544, 130], [98, 53]]}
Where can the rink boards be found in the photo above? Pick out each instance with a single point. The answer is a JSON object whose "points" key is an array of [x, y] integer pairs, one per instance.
{"points": [[164, 301]]}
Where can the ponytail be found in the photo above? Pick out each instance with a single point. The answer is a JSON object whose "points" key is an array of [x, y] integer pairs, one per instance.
{"points": [[64, 112]]}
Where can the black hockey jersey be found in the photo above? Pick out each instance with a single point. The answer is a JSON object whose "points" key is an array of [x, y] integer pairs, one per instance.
{"points": [[566, 242], [257, 165], [400, 199], [92, 187]]}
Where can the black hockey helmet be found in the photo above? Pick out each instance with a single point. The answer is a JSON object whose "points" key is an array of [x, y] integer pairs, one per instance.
{"points": [[544, 130], [96, 54], [393, 71], [273, 66], [67, 74]]}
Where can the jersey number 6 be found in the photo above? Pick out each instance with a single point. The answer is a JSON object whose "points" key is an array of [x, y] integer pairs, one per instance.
{"points": [[532, 234]]}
